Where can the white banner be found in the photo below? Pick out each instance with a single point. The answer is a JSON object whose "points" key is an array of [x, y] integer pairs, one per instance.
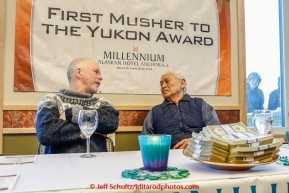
{"points": [[133, 41]]}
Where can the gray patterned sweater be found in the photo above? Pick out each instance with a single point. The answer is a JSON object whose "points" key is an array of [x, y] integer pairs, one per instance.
{"points": [[56, 122]]}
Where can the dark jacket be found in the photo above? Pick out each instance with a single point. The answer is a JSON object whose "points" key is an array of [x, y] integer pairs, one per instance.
{"points": [[255, 99], [180, 120], [274, 99]]}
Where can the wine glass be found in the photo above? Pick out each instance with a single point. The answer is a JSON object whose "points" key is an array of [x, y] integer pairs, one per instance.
{"points": [[88, 121], [262, 120]]}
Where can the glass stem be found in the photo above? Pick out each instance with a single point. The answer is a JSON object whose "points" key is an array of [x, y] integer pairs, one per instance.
{"points": [[88, 144]]}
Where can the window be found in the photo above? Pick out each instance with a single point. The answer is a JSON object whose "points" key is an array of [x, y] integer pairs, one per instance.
{"points": [[266, 22]]}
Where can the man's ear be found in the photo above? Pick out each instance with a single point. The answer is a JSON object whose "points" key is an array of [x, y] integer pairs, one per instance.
{"points": [[78, 73], [183, 83]]}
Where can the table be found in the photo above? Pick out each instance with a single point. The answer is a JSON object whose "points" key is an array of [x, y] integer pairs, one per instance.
{"points": [[70, 173]]}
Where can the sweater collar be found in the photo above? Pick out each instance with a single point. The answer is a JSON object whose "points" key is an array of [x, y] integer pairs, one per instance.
{"points": [[72, 93], [186, 97]]}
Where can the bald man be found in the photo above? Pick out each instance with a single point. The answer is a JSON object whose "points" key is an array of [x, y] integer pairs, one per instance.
{"points": [[56, 121]]}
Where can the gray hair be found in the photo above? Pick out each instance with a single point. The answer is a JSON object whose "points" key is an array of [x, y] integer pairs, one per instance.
{"points": [[179, 77], [76, 63]]}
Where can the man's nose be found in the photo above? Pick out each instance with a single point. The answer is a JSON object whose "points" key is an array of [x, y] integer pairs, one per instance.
{"points": [[100, 77]]}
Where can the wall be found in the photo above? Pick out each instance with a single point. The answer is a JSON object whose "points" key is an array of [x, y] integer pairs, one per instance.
{"points": [[26, 144], [124, 140]]}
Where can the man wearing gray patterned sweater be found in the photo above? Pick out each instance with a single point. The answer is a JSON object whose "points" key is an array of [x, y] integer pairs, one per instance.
{"points": [[56, 121]]}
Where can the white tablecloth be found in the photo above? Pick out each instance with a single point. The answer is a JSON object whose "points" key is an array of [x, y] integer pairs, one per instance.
{"points": [[70, 173]]}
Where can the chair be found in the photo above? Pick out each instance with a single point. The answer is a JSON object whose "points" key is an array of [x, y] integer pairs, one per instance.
{"points": [[40, 149], [109, 146]]}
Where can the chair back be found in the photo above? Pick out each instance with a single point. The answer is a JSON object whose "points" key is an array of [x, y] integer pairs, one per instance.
{"points": [[109, 146], [40, 149]]}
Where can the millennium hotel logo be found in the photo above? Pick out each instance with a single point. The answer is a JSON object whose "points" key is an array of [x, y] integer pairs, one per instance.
{"points": [[134, 60]]}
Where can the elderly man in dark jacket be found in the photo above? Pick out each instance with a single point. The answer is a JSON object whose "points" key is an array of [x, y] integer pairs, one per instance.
{"points": [[179, 115]]}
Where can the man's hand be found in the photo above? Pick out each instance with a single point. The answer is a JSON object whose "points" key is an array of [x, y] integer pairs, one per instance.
{"points": [[182, 144]]}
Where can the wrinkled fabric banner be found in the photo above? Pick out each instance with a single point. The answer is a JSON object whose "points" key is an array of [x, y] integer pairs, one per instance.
{"points": [[133, 41]]}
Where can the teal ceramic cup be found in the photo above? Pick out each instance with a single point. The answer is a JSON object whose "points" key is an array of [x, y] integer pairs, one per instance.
{"points": [[155, 151], [287, 135]]}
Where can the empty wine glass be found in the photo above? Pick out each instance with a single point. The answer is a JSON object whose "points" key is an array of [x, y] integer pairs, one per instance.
{"points": [[262, 121], [88, 121]]}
